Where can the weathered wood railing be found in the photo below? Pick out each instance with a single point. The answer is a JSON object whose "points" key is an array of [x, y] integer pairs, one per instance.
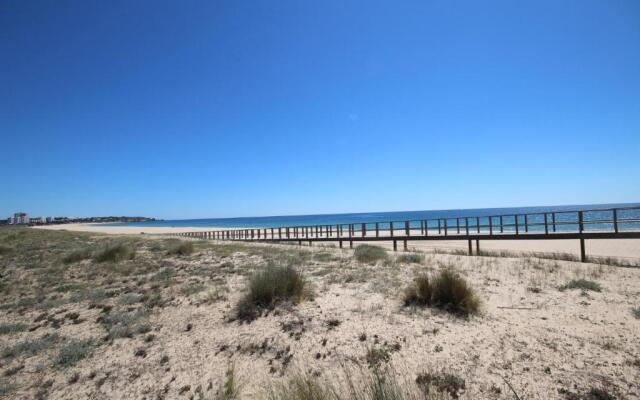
{"points": [[609, 223]]}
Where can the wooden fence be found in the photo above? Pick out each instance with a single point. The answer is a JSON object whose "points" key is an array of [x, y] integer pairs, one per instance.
{"points": [[609, 223]]}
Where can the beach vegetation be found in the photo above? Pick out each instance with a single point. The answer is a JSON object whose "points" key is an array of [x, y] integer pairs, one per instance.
{"points": [[30, 347], [72, 352], [9, 328], [76, 256], [5, 249], [411, 258], [369, 254], [192, 288], [636, 312], [445, 290], [270, 286], [115, 253], [124, 324], [229, 389], [373, 384], [377, 355], [441, 383], [583, 284], [181, 249]]}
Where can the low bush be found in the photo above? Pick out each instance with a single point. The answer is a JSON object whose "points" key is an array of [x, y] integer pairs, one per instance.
{"points": [[268, 287], [115, 253], [583, 284], [366, 253], [447, 290], [181, 249], [72, 352], [636, 312]]}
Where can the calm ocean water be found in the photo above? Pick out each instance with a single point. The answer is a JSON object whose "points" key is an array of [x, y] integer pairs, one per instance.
{"points": [[368, 218]]}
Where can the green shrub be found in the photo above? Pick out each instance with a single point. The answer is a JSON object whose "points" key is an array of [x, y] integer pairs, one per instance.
{"points": [[410, 258], [447, 290], [268, 287], [366, 253], [181, 249], [72, 352], [6, 329], [77, 255], [636, 312], [583, 284], [116, 252]]}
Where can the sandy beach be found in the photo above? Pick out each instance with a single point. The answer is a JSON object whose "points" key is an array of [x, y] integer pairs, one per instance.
{"points": [[159, 321], [618, 248]]}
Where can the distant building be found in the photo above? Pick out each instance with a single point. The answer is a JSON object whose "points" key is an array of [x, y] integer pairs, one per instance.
{"points": [[19, 218], [50, 220]]}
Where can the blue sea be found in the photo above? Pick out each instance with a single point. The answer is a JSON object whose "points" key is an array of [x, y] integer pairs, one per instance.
{"points": [[416, 216]]}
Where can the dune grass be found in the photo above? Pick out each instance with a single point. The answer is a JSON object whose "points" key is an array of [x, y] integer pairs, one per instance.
{"points": [[115, 253], [270, 286], [372, 384], [366, 253], [76, 256], [410, 258], [5, 249], [582, 284], [229, 389], [181, 249], [6, 328], [30, 347], [73, 352], [446, 290]]}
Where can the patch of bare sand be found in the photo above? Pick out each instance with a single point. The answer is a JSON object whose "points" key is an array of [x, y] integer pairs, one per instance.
{"points": [[540, 339]]}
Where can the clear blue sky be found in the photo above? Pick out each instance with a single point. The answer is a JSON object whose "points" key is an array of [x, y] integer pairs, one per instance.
{"points": [[226, 108]]}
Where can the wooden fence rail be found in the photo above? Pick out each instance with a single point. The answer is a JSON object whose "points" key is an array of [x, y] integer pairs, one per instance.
{"points": [[608, 223]]}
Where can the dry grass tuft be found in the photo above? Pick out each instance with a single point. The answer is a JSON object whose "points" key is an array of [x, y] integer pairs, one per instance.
{"points": [[447, 291], [410, 258], [230, 389], [377, 384], [270, 286], [73, 352], [366, 253], [181, 249], [77, 255], [115, 253]]}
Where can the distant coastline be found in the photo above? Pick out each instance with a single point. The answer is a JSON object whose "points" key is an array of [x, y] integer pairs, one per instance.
{"points": [[320, 219]]}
